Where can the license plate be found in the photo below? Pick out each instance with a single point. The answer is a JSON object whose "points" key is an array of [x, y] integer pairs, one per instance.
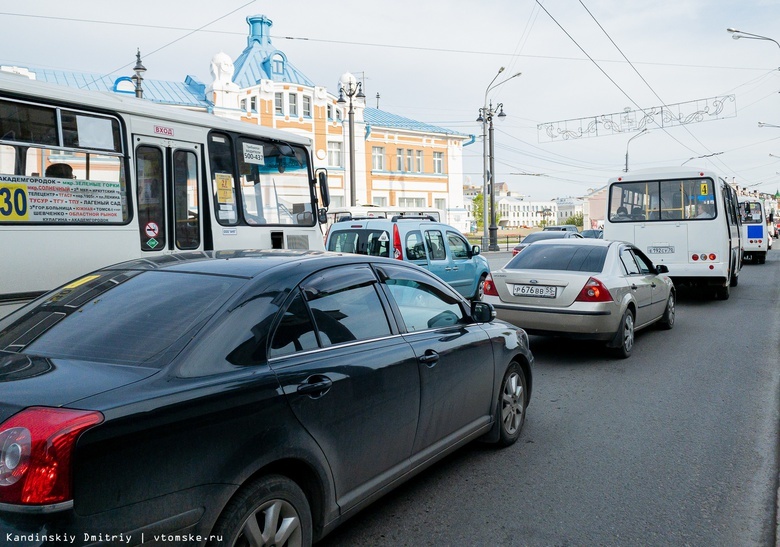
{"points": [[660, 250], [545, 291]]}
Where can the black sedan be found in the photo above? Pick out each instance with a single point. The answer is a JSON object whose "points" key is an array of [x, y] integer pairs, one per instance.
{"points": [[241, 398], [543, 235]]}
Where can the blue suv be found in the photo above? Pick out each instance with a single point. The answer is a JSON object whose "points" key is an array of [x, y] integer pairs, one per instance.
{"points": [[439, 248]]}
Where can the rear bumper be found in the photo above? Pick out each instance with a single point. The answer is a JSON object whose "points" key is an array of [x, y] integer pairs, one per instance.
{"points": [[599, 323]]}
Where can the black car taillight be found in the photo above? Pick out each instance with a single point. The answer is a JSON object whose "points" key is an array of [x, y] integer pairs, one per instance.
{"points": [[36, 446]]}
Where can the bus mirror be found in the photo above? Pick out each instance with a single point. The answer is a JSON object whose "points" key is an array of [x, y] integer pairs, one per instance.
{"points": [[322, 179], [322, 215]]}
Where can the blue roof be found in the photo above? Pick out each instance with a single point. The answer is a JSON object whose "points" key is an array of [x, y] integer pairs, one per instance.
{"points": [[376, 117], [191, 92], [262, 61]]}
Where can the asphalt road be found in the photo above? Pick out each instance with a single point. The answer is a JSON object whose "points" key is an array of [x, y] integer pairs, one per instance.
{"points": [[677, 445]]}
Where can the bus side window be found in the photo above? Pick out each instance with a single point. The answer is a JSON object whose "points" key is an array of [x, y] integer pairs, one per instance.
{"points": [[223, 179]]}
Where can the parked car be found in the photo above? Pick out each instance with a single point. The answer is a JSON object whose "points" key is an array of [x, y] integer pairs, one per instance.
{"points": [[583, 288], [437, 247], [564, 227], [244, 393], [540, 236], [593, 234]]}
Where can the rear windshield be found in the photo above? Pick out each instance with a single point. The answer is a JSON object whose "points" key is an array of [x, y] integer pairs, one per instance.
{"points": [[120, 317], [360, 241], [549, 234], [572, 258]]}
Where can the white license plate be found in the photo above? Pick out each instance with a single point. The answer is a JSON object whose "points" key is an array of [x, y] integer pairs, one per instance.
{"points": [[545, 291], [660, 250]]}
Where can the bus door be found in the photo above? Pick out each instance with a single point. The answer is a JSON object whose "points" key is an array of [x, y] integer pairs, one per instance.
{"points": [[169, 207]]}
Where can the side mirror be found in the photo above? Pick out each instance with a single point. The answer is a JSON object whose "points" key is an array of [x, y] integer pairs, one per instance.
{"points": [[482, 312], [322, 216], [322, 180], [662, 269], [475, 250]]}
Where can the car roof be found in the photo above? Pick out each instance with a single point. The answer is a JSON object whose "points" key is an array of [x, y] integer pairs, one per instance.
{"points": [[578, 241], [246, 263], [549, 234]]}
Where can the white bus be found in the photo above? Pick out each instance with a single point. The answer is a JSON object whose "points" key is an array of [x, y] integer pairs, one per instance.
{"points": [[90, 178], [684, 218], [755, 239]]}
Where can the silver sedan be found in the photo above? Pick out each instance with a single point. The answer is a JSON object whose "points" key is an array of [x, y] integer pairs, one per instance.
{"points": [[583, 288]]}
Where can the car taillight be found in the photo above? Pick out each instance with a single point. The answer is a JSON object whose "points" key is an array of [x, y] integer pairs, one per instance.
{"points": [[489, 288], [397, 251], [594, 291], [36, 446]]}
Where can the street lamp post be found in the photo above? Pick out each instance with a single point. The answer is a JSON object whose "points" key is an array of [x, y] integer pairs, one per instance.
{"points": [[486, 114], [737, 34], [643, 132], [349, 86]]}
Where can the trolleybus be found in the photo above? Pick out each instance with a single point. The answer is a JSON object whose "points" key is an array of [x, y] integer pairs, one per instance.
{"points": [[91, 178], [685, 218]]}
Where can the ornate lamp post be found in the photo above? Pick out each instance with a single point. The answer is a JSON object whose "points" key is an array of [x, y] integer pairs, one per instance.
{"points": [[349, 86], [139, 69], [486, 114], [643, 132]]}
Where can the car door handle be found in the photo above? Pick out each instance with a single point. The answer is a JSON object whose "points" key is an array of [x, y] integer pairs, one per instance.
{"points": [[315, 386], [455, 268], [652, 285], [430, 358], [447, 269], [633, 287]]}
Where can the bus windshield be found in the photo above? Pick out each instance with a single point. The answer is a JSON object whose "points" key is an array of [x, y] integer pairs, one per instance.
{"points": [[649, 200], [750, 211]]}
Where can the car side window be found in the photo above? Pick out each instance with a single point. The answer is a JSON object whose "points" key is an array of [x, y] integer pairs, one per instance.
{"points": [[645, 266], [345, 305], [628, 262], [415, 248], [435, 242], [422, 304], [458, 246], [295, 331]]}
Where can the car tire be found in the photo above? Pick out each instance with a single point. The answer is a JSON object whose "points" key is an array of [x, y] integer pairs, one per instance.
{"points": [[511, 405], [273, 510], [667, 319], [480, 292], [625, 335]]}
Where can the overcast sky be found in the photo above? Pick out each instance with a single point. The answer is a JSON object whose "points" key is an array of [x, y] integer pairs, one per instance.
{"points": [[433, 61]]}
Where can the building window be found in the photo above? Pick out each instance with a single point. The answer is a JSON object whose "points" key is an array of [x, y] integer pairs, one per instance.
{"points": [[334, 154], [277, 64], [378, 158], [279, 104], [419, 161], [379, 201], [253, 104], [440, 203], [438, 162], [306, 106], [330, 111], [399, 156], [411, 202], [409, 166], [293, 104]]}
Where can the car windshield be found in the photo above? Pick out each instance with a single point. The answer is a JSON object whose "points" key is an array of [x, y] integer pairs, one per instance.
{"points": [[120, 317], [572, 258]]}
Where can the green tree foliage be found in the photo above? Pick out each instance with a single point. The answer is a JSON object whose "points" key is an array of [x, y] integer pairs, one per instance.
{"points": [[477, 208], [575, 219]]}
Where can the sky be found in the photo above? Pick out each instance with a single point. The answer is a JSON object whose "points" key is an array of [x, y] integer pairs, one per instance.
{"points": [[434, 61]]}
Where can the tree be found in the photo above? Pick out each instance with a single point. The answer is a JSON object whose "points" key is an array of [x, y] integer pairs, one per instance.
{"points": [[476, 209], [575, 219]]}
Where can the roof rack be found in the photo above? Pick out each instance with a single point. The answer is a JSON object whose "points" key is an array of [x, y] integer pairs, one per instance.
{"points": [[396, 218]]}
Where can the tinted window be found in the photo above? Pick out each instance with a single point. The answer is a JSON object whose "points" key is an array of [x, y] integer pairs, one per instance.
{"points": [[364, 242], [436, 244], [628, 261], [415, 248], [573, 258], [295, 331], [550, 234], [458, 246], [423, 303], [645, 266], [345, 305], [119, 317]]}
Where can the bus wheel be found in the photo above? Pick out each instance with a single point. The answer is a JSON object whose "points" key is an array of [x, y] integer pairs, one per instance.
{"points": [[760, 258], [734, 279], [722, 293]]}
